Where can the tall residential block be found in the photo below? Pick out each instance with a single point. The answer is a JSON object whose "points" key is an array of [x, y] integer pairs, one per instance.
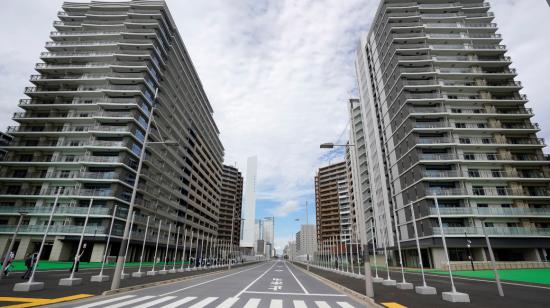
{"points": [[332, 203], [248, 239], [306, 240], [229, 223], [444, 120], [82, 129]]}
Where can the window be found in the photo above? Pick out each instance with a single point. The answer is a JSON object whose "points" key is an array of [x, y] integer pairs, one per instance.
{"points": [[465, 140], [482, 205], [496, 173], [460, 125], [478, 190], [469, 156], [502, 191], [491, 156], [474, 173], [486, 140], [481, 125], [489, 225], [13, 189]]}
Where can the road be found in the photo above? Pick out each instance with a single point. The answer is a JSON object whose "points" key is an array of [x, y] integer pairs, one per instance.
{"points": [[483, 293], [53, 291], [273, 284]]}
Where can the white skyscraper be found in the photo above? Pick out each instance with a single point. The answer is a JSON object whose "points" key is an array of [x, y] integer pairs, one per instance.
{"points": [[249, 204]]}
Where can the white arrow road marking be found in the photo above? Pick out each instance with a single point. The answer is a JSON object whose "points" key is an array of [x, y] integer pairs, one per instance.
{"points": [[107, 301]]}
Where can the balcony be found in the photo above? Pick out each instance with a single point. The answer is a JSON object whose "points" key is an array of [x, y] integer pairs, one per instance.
{"points": [[487, 192], [494, 231], [56, 230], [486, 157], [491, 211], [59, 211]]}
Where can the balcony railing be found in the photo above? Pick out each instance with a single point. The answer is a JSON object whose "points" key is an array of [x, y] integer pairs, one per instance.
{"points": [[55, 229], [62, 210], [487, 192], [493, 231], [491, 211]]}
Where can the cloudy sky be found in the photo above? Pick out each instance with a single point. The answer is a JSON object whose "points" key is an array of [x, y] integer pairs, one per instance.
{"points": [[278, 74]]}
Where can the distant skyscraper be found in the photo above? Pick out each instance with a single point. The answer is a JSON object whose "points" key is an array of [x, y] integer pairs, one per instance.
{"points": [[249, 204]]}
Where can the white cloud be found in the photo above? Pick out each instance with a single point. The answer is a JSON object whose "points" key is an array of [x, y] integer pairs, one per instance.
{"points": [[286, 208], [278, 73]]}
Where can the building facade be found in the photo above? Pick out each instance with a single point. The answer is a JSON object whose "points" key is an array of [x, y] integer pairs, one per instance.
{"points": [[332, 203], [229, 222], [83, 126], [248, 239], [306, 240], [444, 121]]}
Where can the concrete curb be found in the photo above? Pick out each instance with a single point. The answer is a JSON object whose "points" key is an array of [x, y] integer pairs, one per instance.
{"points": [[164, 282], [369, 302]]}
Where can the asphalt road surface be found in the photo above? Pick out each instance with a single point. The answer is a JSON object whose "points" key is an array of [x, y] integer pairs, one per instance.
{"points": [[482, 292], [274, 284]]}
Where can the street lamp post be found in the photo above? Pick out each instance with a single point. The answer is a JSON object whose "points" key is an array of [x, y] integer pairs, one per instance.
{"points": [[492, 256], [452, 296], [100, 277], [122, 253], [72, 281], [368, 277], [12, 243]]}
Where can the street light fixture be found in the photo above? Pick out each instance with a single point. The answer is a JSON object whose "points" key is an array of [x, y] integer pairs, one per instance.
{"points": [[368, 276], [125, 238]]}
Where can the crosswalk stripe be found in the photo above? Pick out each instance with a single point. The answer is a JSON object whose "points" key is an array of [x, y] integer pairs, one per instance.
{"points": [[204, 302], [322, 304], [276, 303], [107, 301], [299, 304], [180, 302], [133, 301], [155, 302], [344, 305], [228, 302], [252, 303]]}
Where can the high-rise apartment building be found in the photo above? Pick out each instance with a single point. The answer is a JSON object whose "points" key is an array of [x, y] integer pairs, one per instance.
{"points": [[332, 203], [229, 223], [248, 239], [83, 127], [306, 240], [443, 116]]}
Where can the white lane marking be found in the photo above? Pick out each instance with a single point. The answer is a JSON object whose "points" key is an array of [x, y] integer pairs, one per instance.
{"points": [[299, 294], [255, 280], [276, 303], [155, 302], [208, 281], [180, 302], [204, 302], [130, 302], [298, 281], [344, 305], [299, 304], [228, 303], [107, 301], [252, 303]]}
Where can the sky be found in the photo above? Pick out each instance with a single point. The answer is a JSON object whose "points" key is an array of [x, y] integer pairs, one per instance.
{"points": [[278, 75]]}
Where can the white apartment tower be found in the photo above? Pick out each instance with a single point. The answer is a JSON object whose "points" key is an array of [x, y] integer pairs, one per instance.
{"points": [[82, 129], [249, 205], [443, 116]]}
